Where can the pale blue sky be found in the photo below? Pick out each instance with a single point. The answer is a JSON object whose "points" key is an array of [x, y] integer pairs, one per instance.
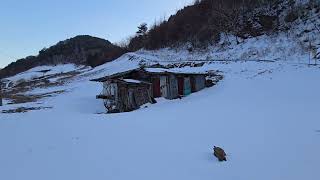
{"points": [[29, 25]]}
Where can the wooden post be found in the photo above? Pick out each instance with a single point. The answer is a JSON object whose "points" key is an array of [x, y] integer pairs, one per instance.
{"points": [[309, 49], [314, 55], [0, 93]]}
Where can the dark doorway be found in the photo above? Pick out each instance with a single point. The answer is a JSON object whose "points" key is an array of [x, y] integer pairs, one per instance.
{"points": [[180, 85], [156, 87], [193, 84]]}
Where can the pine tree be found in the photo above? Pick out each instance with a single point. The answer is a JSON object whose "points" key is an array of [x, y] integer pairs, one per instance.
{"points": [[142, 29]]}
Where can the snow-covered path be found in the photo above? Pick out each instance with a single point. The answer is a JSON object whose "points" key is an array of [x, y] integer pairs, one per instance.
{"points": [[268, 124]]}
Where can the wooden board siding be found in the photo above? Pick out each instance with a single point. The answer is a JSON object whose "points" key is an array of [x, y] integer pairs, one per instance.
{"points": [[132, 103], [173, 87], [187, 86], [110, 90], [133, 97], [163, 86], [142, 96], [125, 97], [198, 82], [169, 86], [193, 83], [122, 102], [156, 87], [180, 86]]}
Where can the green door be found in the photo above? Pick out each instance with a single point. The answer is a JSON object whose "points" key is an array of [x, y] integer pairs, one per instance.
{"points": [[187, 86]]}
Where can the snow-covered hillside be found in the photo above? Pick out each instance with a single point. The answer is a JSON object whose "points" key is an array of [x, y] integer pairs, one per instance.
{"points": [[264, 114], [42, 71]]}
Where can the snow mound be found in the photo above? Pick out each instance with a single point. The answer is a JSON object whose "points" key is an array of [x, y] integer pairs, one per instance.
{"points": [[42, 71], [263, 114]]}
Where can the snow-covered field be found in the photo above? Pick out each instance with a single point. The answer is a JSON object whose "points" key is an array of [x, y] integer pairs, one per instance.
{"points": [[264, 114]]}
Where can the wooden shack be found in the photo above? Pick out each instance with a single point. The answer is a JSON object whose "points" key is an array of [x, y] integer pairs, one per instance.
{"points": [[172, 84], [164, 85], [127, 91], [124, 95]]}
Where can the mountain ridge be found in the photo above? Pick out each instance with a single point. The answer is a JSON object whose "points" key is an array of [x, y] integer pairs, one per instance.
{"points": [[81, 50]]}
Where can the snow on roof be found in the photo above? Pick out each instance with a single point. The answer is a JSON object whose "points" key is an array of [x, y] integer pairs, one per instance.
{"points": [[132, 81], [114, 75], [156, 70], [191, 70], [186, 70]]}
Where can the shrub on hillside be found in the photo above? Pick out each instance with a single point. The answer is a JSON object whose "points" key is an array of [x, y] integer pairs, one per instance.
{"points": [[291, 16]]}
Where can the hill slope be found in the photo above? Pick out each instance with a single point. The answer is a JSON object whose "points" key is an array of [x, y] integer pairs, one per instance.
{"points": [[261, 114], [81, 50], [264, 113], [207, 21]]}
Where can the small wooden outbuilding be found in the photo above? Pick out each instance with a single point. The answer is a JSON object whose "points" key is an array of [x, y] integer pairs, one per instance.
{"points": [[127, 91], [164, 85], [173, 84], [124, 95]]}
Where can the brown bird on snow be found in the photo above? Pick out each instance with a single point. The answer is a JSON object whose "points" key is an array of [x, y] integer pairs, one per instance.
{"points": [[219, 153]]}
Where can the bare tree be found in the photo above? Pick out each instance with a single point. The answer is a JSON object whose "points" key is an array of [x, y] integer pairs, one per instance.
{"points": [[124, 44], [229, 17]]}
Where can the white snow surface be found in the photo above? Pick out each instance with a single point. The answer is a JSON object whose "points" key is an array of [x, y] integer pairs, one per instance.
{"points": [[264, 114], [37, 72]]}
